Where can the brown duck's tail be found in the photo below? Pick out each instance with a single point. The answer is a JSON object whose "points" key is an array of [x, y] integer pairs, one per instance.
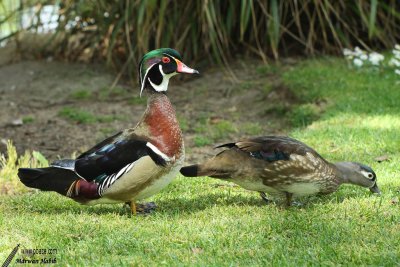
{"points": [[49, 179], [197, 170], [191, 171]]}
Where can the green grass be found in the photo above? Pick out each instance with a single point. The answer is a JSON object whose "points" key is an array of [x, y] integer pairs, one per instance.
{"points": [[81, 94], [221, 129], [136, 100], [108, 131], [251, 128], [201, 141], [209, 130], [106, 93], [303, 115], [28, 119], [77, 115], [206, 222], [82, 116], [183, 122], [9, 184]]}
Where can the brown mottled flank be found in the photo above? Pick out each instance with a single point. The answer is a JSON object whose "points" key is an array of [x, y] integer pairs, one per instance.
{"points": [[282, 167], [163, 126]]}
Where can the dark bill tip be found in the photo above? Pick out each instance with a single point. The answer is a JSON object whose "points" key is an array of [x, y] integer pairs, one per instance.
{"points": [[375, 189]]}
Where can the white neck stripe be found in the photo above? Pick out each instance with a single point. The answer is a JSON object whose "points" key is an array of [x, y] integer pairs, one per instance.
{"points": [[157, 151]]}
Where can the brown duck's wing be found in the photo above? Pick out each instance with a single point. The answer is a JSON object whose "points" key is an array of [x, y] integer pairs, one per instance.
{"points": [[283, 157], [272, 148]]}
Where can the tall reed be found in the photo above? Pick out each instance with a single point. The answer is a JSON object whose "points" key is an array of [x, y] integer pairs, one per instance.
{"points": [[120, 31]]}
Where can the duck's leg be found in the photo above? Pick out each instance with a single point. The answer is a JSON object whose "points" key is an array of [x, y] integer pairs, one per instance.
{"points": [[288, 199], [139, 208], [264, 197], [144, 208], [132, 205]]}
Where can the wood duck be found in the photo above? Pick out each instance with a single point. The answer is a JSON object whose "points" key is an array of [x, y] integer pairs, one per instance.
{"points": [[134, 163], [282, 167]]}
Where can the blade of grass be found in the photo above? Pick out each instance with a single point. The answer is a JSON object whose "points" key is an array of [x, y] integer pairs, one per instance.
{"points": [[372, 18]]}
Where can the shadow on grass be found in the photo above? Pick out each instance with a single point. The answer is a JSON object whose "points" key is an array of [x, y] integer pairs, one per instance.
{"points": [[183, 206], [52, 203]]}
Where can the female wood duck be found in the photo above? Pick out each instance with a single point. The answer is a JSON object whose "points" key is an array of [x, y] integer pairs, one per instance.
{"points": [[282, 167], [134, 163]]}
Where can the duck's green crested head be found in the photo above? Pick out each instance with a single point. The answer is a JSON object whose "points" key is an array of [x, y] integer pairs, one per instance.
{"points": [[158, 66]]}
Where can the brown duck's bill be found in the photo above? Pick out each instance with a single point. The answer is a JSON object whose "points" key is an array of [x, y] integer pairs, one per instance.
{"points": [[375, 189], [182, 68]]}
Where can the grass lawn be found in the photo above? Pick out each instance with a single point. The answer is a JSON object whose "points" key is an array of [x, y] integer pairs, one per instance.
{"points": [[347, 114]]}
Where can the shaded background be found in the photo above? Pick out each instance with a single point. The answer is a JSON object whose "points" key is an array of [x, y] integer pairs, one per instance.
{"points": [[120, 32]]}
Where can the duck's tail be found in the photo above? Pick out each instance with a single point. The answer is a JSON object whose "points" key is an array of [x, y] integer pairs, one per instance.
{"points": [[197, 170], [49, 179], [190, 171]]}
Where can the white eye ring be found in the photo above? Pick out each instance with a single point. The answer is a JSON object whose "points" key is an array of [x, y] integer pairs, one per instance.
{"points": [[367, 175]]}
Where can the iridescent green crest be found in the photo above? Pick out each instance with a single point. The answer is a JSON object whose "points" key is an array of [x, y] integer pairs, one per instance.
{"points": [[154, 57]]}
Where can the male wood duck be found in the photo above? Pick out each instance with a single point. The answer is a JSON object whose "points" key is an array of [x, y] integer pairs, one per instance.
{"points": [[134, 163], [282, 167]]}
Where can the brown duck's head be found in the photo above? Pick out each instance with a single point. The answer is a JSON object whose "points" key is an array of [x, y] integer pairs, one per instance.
{"points": [[158, 66], [358, 174]]}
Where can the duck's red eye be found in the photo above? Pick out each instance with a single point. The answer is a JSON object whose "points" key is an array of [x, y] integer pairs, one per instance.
{"points": [[166, 60]]}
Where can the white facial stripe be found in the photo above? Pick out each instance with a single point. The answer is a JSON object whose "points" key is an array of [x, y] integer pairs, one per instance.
{"points": [[157, 151], [144, 78], [140, 73], [161, 70], [172, 57], [165, 54]]}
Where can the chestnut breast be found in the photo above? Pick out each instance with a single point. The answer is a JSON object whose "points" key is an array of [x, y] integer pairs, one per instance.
{"points": [[163, 126]]}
